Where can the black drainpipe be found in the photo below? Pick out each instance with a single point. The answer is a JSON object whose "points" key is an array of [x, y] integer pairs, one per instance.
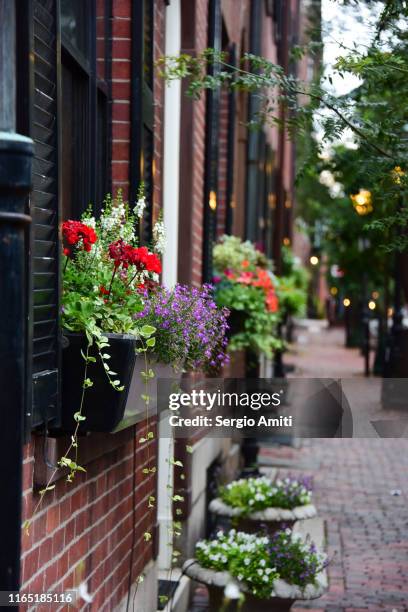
{"points": [[15, 178]]}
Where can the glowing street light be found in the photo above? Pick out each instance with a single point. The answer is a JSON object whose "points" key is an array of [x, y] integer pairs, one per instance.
{"points": [[362, 202], [346, 302], [372, 305], [314, 260]]}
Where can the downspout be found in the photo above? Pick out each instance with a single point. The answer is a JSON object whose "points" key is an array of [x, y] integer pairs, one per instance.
{"points": [[15, 179]]}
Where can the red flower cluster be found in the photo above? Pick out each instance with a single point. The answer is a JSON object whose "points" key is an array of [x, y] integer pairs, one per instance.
{"points": [[125, 255], [260, 279], [75, 231]]}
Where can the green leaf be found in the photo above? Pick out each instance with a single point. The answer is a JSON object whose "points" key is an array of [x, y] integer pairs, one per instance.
{"points": [[79, 417], [147, 330]]}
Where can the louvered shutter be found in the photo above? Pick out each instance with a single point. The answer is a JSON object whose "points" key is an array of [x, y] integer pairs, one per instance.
{"points": [[44, 207]]}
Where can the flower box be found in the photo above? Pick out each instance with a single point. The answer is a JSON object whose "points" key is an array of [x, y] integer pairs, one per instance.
{"points": [[255, 503], [106, 409], [285, 594], [272, 519], [249, 572]]}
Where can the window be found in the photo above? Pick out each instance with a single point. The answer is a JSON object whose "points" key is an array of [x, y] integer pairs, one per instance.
{"points": [[142, 110], [63, 105], [84, 104]]}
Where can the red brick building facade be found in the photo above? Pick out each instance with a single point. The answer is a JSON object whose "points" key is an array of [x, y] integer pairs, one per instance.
{"points": [[95, 107]]}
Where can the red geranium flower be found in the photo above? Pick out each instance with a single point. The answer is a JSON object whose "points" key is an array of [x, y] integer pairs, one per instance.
{"points": [[75, 231], [272, 302], [126, 255]]}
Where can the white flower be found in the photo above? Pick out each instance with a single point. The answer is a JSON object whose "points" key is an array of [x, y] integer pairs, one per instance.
{"points": [[262, 562], [232, 591], [297, 537], [159, 237], [247, 561], [260, 572], [140, 206]]}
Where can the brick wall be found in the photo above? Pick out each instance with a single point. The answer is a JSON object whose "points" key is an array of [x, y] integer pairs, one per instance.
{"points": [[93, 529], [121, 75], [84, 531]]}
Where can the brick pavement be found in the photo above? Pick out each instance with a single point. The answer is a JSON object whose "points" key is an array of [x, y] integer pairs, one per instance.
{"points": [[367, 526]]}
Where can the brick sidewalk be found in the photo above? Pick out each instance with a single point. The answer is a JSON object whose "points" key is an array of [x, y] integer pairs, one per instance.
{"points": [[367, 526]]}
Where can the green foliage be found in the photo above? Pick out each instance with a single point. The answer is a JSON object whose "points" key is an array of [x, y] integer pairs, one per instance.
{"points": [[245, 556], [246, 286], [253, 494], [375, 113], [292, 285], [258, 561]]}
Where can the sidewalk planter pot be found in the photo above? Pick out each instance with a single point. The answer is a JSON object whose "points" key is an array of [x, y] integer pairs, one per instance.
{"points": [[272, 519], [254, 503], [257, 572], [105, 409], [286, 594]]}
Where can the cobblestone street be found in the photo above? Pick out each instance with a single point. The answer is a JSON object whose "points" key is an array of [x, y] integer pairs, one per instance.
{"points": [[360, 488]]}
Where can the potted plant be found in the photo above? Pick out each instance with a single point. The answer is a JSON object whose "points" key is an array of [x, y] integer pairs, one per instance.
{"points": [[261, 573], [246, 286], [122, 330], [254, 504]]}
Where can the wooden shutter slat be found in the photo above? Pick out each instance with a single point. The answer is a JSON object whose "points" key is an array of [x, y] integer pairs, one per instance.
{"points": [[45, 189]]}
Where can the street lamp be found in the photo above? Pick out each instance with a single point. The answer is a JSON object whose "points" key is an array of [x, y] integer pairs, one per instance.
{"points": [[362, 202]]}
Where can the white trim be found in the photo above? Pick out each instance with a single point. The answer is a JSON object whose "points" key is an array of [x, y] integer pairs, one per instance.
{"points": [[171, 170]]}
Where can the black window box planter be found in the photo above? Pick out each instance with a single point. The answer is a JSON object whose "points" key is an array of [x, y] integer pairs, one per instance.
{"points": [[104, 408]]}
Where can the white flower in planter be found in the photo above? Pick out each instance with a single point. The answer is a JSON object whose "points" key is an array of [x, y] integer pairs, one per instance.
{"points": [[232, 591], [140, 206], [159, 237]]}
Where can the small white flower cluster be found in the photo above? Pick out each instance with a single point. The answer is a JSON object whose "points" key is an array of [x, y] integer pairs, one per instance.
{"points": [[140, 207], [304, 545], [159, 237], [248, 554], [251, 494], [113, 217]]}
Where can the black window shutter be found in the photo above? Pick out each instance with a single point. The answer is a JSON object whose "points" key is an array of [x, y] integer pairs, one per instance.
{"points": [[45, 211]]}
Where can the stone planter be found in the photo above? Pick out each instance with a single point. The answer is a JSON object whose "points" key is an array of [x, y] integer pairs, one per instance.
{"points": [[273, 519], [286, 594], [105, 409]]}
